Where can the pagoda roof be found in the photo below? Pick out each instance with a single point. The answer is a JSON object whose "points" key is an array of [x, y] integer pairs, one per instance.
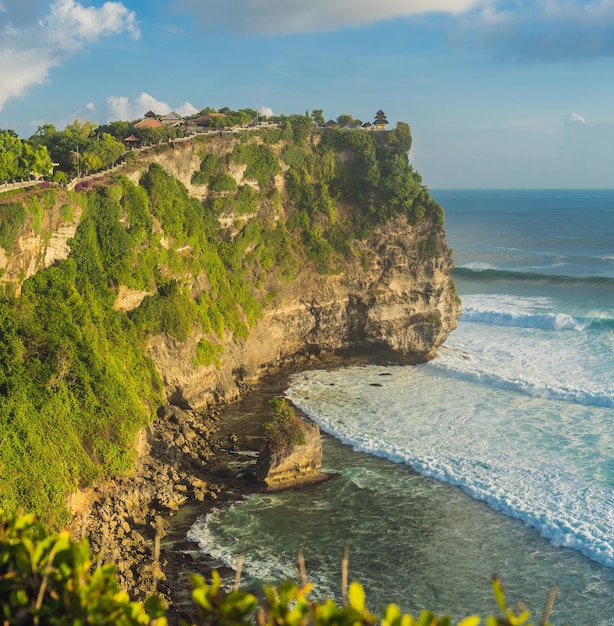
{"points": [[150, 113], [380, 119]]}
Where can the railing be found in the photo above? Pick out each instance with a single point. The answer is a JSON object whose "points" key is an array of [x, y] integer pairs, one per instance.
{"points": [[22, 184], [33, 182]]}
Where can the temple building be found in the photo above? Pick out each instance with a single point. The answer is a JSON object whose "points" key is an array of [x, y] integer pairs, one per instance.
{"points": [[380, 120]]}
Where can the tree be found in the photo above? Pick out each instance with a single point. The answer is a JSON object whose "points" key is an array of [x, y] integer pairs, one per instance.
{"points": [[301, 127], [10, 149], [35, 160], [90, 162], [318, 117], [150, 135], [401, 137], [19, 159], [107, 148], [118, 129], [345, 120], [80, 131]]}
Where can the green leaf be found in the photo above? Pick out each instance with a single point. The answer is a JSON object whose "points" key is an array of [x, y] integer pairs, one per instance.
{"points": [[497, 589], [357, 596]]}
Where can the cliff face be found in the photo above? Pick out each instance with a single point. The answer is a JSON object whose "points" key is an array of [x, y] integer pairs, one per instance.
{"points": [[398, 301], [37, 248], [389, 296]]}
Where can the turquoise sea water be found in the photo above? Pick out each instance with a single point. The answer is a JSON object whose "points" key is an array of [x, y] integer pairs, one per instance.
{"points": [[497, 457]]}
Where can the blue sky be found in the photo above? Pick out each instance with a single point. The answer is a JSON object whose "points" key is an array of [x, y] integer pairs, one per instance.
{"points": [[498, 93]]}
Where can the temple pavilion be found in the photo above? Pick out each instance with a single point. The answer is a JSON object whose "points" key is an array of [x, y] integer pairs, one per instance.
{"points": [[380, 120]]}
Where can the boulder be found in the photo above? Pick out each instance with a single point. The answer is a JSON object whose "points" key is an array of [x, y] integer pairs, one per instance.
{"points": [[296, 466]]}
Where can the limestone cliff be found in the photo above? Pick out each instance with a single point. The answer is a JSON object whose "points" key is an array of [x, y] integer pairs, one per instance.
{"points": [[400, 301], [43, 236], [392, 294], [193, 272], [388, 295]]}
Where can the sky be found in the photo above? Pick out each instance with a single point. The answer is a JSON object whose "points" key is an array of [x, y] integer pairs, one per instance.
{"points": [[498, 93]]}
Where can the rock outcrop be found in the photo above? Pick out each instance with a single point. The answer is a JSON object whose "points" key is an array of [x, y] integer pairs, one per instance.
{"points": [[296, 467], [36, 249], [123, 516]]}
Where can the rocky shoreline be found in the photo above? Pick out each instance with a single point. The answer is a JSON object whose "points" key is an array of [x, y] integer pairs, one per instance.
{"points": [[188, 463]]}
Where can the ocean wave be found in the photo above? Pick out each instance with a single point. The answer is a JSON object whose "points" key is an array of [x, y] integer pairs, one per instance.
{"points": [[545, 321], [552, 507], [258, 563], [474, 272], [457, 368], [542, 490]]}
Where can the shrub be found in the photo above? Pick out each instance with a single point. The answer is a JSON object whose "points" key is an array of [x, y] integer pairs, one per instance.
{"points": [[283, 428], [261, 162], [223, 182], [50, 579], [12, 216], [293, 156], [208, 353], [210, 166]]}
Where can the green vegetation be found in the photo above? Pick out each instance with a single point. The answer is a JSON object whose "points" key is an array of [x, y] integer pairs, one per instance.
{"points": [[50, 579], [26, 212], [210, 166], [208, 353], [12, 216], [76, 384], [21, 159], [75, 381], [80, 148], [261, 162], [283, 428]]}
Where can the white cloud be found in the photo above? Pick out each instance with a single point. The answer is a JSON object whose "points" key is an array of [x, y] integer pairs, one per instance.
{"points": [[274, 17], [266, 111], [69, 24], [187, 108], [123, 108], [545, 30], [30, 46], [588, 145], [525, 29]]}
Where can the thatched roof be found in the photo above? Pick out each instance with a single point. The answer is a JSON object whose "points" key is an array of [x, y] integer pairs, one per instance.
{"points": [[380, 118], [149, 123]]}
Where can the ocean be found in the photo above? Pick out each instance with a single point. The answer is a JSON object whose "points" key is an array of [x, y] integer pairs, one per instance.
{"points": [[495, 458]]}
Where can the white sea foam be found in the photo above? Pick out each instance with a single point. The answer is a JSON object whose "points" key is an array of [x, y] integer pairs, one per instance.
{"points": [[502, 373], [548, 321], [258, 562], [522, 458]]}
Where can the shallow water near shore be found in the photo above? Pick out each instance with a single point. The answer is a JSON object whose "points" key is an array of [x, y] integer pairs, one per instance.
{"points": [[495, 458]]}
